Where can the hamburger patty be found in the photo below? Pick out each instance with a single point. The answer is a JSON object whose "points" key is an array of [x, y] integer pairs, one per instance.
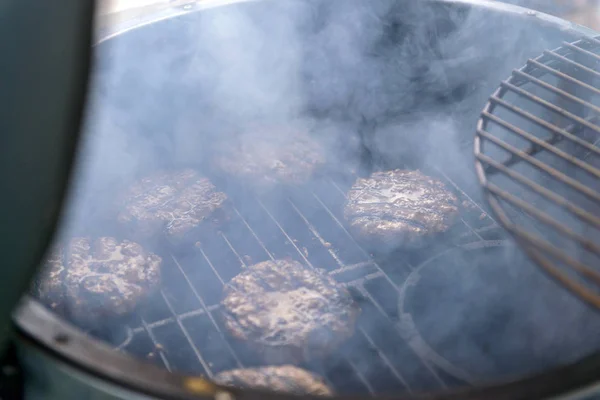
{"points": [[269, 157], [399, 208], [287, 311], [87, 280], [172, 202], [284, 379]]}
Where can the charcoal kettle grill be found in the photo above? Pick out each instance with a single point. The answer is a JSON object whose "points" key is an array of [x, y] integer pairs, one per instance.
{"points": [[538, 131]]}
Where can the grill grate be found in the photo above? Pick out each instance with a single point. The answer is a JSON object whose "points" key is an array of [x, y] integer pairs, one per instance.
{"points": [[539, 162], [181, 331]]}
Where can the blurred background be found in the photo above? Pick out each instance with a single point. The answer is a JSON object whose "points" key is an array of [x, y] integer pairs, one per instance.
{"points": [[584, 12]]}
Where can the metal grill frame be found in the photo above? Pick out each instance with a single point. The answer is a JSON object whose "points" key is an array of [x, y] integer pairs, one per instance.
{"points": [[539, 249]]}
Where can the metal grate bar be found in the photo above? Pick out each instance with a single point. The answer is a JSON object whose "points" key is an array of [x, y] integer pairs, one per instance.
{"points": [[544, 124], [595, 144], [352, 267], [254, 235], [233, 250], [541, 166], [572, 63], [410, 333], [364, 292], [293, 243], [545, 218], [210, 264], [471, 229], [313, 230], [170, 320], [155, 343], [570, 284], [556, 90], [582, 51], [553, 251], [485, 229], [548, 194], [356, 283], [545, 145], [470, 199], [188, 337], [339, 189], [385, 359], [531, 149], [476, 232], [205, 308], [592, 40], [361, 376], [418, 342], [564, 76], [550, 106]]}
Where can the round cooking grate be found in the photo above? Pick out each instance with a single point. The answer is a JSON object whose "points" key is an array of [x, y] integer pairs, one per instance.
{"points": [[538, 159], [508, 331]]}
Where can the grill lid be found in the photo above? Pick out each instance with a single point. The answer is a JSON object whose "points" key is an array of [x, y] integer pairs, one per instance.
{"points": [[37, 152], [538, 159]]}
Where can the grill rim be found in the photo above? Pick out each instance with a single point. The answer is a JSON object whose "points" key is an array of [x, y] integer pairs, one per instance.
{"points": [[39, 328], [42, 331]]}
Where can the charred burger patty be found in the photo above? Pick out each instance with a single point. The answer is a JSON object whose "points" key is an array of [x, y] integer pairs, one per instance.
{"points": [[90, 279], [399, 208], [287, 311], [270, 157], [172, 202], [284, 379]]}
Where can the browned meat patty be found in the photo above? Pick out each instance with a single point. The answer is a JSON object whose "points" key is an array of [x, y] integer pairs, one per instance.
{"points": [[269, 157], [90, 279], [288, 312], [399, 208], [173, 203], [284, 379]]}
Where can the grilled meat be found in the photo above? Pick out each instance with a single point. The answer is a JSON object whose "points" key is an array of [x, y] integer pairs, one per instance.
{"points": [[49, 284], [288, 312], [399, 208], [173, 203], [265, 158], [88, 280], [284, 379]]}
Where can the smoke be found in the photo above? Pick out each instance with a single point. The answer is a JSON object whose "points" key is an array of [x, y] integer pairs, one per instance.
{"points": [[403, 81], [507, 317], [390, 73]]}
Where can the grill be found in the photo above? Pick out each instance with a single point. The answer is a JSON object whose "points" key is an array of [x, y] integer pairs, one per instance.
{"points": [[157, 103], [537, 158], [181, 329]]}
